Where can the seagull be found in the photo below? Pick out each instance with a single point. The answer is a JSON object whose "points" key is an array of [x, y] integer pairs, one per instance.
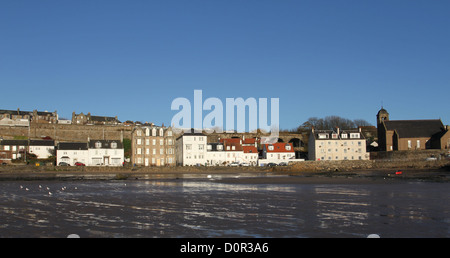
{"points": [[26, 189], [49, 193], [209, 176], [40, 186], [21, 187], [48, 188]]}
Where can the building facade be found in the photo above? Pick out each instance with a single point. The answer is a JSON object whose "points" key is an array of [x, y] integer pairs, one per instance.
{"points": [[411, 134], [88, 119], [35, 116], [191, 149], [91, 153], [153, 146], [337, 145], [278, 152], [43, 149], [72, 152]]}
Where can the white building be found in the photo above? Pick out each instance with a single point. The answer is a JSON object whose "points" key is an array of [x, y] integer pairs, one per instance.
{"points": [[215, 154], [250, 155], [92, 153], [105, 153], [43, 149], [191, 149], [72, 152], [278, 152], [337, 145]]}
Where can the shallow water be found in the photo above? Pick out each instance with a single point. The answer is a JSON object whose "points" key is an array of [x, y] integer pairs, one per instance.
{"points": [[206, 208]]}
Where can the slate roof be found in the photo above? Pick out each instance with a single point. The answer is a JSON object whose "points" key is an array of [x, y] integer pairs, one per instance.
{"points": [[415, 128], [72, 146], [106, 144], [42, 143], [14, 142]]}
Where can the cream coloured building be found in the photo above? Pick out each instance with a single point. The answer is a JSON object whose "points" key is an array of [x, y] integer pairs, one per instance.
{"points": [[337, 145]]}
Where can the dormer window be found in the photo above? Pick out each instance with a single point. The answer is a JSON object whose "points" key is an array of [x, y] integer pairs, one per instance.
{"points": [[270, 147], [169, 133], [147, 132], [344, 136], [161, 132], [98, 145], [153, 132], [288, 147], [114, 145]]}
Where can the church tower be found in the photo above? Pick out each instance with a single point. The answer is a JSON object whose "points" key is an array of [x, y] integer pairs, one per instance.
{"points": [[382, 116]]}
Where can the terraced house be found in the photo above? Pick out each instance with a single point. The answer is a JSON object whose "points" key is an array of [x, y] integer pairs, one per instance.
{"points": [[152, 146]]}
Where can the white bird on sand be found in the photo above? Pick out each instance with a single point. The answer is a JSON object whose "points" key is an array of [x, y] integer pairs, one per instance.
{"points": [[26, 189], [40, 186], [49, 193], [209, 176], [48, 188], [21, 187]]}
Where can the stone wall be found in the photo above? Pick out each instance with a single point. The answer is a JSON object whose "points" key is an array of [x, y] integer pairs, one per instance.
{"points": [[67, 133], [413, 155]]}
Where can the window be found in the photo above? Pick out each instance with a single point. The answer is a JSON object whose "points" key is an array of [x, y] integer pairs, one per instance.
{"points": [[409, 144], [169, 142], [201, 146], [344, 136], [418, 144], [161, 132], [288, 147], [233, 147], [161, 142], [323, 136], [114, 145], [354, 135], [147, 141], [147, 151], [270, 147], [153, 132], [138, 133], [138, 142], [169, 133], [154, 151], [98, 145], [154, 141], [188, 146], [147, 132], [161, 151], [138, 151], [334, 136]]}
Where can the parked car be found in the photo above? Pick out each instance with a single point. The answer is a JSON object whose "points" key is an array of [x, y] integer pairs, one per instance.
{"points": [[431, 158], [245, 164], [234, 164], [271, 164], [64, 164], [79, 164]]}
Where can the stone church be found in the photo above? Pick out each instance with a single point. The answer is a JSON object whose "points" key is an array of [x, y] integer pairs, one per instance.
{"points": [[411, 134]]}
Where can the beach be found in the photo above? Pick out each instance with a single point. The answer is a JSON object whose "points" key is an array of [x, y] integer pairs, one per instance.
{"points": [[329, 172]]}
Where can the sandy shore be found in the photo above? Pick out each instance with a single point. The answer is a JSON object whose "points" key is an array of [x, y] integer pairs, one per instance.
{"points": [[244, 175]]}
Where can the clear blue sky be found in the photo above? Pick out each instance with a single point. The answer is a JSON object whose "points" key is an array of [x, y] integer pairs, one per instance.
{"points": [[132, 58]]}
